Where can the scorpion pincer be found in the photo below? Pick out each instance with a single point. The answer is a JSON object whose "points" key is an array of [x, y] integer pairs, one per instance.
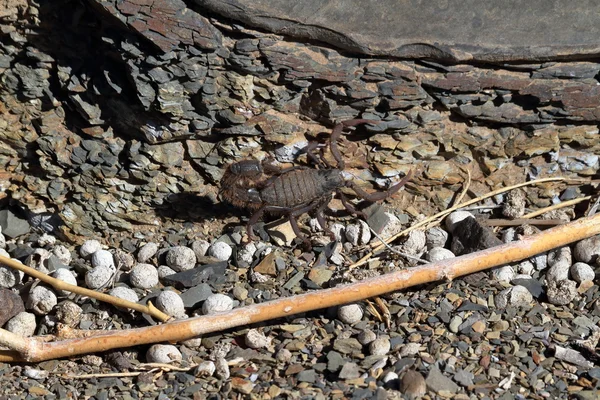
{"points": [[263, 188]]}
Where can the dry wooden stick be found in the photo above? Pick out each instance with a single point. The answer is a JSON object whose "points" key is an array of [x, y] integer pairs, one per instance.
{"points": [[186, 329], [442, 214], [557, 206], [61, 285]]}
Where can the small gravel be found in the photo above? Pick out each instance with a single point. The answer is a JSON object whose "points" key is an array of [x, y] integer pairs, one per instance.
{"points": [[163, 353]]}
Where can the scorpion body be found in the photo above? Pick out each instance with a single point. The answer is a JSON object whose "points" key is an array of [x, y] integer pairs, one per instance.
{"points": [[263, 188]]}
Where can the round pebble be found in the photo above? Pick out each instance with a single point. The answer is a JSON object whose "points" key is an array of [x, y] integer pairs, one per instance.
{"points": [[365, 337], [380, 347], [284, 355], [217, 303], [125, 293], [503, 274], [256, 340], [66, 276], [98, 277], [163, 353], [240, 293], [220, 250], [358, 234], [515, 296], [46, 240], [436, 237], [438, 254], [123, 259], [200, 247], [68, 313], [143, 276], [246, 253], [9, 277], [164, 271], [22, 324], [582, 272], [89, 247], [41, 300], [455, 217], [170, 303], [2, 241], [181, 258], [415, 244], [205, 369], [350, 313], [587, 250], [104, 259], [526, 267], [62, 253], [561, 292], [146, 252]]}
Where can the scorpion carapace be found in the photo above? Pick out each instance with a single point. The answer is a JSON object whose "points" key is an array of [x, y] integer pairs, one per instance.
{"points": [[263, 188]]}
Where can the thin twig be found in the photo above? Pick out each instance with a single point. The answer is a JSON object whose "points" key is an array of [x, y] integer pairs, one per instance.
{"points": [[521, 221], [62, 285], [442, 214], [400, 253], [284, 307], [558, 206], [466, 187]]}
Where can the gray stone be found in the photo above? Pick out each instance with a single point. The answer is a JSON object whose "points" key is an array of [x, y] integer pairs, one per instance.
{"points": [[12, 226], [437, 382], [498, 31], [350, 371], [195, 295]]}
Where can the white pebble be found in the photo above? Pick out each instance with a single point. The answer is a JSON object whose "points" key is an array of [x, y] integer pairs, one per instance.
{"points": [[62, 253], [503, 274], [9, 277], [582, 272], [438, 254], [89, 247], [2, 241], [146, 252], [217, 303], [22, 324], [66, 276], [350, 313], [200, 247], [220, 250], [415, 243], [455, 217], [164, 271], [143, 276], [98, 277], [256, 340], [34, 373], [588, 249], [68, 313], [163, 353], [436, 237], [380, 347], [104, 259], [358, 234], [561, 292], [125, 293], [246, 253], [525, 267], [41, 300], [37, 260], [205, 369], [46, 240], [181, 258], [171, 304], [390, 377], [515, 296], [339, 231]]}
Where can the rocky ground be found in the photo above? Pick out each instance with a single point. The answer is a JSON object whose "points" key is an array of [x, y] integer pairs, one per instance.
{"points": [[118, 120]]}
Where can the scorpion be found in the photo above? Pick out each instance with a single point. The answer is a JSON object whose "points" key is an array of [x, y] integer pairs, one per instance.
{"points": [[262, 187]]}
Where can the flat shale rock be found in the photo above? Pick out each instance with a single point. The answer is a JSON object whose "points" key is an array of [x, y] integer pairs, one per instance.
{"points": [[467, 30]]}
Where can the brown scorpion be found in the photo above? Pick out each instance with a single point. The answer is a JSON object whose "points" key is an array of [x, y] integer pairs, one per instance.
{"points": [[264, 188]]}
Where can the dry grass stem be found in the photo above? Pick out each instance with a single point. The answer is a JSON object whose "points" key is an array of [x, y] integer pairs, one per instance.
{"points": [[558, 206]]}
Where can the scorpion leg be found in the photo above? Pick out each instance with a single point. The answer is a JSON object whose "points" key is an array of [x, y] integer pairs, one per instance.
{"points": [[337, 132], [373, 197], [322, 221], [350, 207], [259, 213], [312, 156], [295, 213]]}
